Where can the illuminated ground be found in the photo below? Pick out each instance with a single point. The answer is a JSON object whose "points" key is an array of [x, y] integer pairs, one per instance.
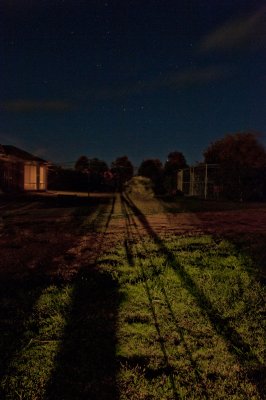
{"points": [[118, 298]]}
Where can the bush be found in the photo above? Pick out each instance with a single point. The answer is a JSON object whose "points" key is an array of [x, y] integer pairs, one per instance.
{"points": [[140, 186]]}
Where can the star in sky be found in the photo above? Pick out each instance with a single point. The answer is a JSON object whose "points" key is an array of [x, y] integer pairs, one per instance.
{"points": [[171, 75]]}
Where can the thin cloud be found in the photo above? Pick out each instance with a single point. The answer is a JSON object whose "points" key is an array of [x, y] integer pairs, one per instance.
{"points": [[193, 77], [170, 81], [249, 30], [25, 106]]}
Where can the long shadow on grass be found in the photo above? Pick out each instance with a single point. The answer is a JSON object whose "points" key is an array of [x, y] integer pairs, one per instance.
{"points": [[130, 257], [86, 364], [235, 343], [19, 295]]}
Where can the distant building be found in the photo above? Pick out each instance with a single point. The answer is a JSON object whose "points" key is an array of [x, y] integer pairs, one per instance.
{"points": [[21, 171]]}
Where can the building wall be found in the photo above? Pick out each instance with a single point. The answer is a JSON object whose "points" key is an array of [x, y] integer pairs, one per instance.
{"points": [[11, 176], [20, 176]]}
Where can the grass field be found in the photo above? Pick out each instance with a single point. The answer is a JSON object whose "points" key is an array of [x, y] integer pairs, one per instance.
{"points": [[121, 298]]}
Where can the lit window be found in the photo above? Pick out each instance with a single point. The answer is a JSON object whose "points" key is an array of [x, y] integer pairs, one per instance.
{"points": [[42, 178], [30, 177]]}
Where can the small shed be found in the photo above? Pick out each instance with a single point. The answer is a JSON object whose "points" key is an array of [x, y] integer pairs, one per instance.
{"points": [[202, 180], [21, 171]]}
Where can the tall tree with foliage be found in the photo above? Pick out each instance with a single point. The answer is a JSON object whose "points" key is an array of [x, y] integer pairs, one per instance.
{"points": [[94, 169], [242, 160], [97, 169], [175, 161], [153, 169], [67, 179], [123, 170], [82, 164]]}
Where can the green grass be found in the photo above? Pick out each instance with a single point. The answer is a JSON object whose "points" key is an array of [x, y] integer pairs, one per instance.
{"points": [[30, 367], [192, 325], [163, 318]]}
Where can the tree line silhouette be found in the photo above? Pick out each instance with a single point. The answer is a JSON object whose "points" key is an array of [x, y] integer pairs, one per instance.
{"points": [[241, 159], [94, 175]]}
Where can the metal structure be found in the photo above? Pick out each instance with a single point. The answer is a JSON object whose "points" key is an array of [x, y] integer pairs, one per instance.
{"points": [[201, 180]]}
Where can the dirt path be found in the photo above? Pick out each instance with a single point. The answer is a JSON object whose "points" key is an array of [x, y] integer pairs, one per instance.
{"points": [[214, 222], [62, 235]]}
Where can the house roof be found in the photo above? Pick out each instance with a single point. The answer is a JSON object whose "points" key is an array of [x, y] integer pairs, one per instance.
{"points": [[12, 151]]}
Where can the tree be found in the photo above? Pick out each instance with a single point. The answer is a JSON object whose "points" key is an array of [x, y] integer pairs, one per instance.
{"points": [[242, 160], [94, 169], [82, 164], [175, 162], [153, 169], [242, 149], [123, 170], [66, 179]]}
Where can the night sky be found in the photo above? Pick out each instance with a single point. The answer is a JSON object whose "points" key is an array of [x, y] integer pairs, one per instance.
{"points": [[140, 78]]}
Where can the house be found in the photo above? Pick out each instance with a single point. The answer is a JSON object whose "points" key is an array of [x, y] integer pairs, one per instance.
{"points": [[21, 171]]}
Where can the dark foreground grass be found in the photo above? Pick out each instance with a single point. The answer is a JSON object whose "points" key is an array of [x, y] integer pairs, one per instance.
{"points": [[173, 317]]}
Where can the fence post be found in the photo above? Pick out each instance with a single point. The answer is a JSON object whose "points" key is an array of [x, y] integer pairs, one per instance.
{"points": [[180, 179], [206, 182], [191, 189]]}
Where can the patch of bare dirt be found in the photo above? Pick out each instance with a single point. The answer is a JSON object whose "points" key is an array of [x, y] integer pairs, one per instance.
{"points": [[220, 222], [38, 240]]}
